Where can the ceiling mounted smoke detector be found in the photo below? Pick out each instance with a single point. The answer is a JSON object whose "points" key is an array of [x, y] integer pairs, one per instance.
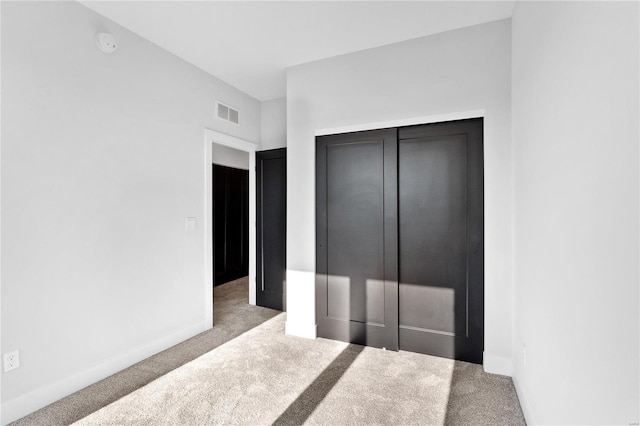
{"points": [[106, 42]]}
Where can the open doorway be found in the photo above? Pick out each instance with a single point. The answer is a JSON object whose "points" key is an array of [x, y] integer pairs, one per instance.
{"points": [[230, 215], [232, 218]]}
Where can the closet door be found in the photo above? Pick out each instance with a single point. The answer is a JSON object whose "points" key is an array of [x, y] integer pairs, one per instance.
{"points": [[441, 290], [357, 238], [230, 223]]}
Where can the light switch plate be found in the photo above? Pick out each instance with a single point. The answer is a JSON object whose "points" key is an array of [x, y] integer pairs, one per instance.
{"points": [[191, 224]]}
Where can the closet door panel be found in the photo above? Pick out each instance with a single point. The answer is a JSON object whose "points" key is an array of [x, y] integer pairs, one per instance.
{"points": [[357, 268], [433, 234], [441, 289], [355, 223]]}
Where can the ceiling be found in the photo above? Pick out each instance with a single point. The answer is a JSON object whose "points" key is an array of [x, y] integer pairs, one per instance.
{"points": [[249, 44]]}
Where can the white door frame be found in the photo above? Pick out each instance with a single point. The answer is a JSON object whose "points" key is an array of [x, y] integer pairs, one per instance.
{"points": [[211, 137]]}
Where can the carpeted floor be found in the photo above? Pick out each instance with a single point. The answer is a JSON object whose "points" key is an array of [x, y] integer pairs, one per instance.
{"points": [[232, 315], [265, 377]]}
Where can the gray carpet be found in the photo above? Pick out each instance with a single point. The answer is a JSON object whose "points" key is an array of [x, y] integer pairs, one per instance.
{"points": [[266, 377], [232, 315]]}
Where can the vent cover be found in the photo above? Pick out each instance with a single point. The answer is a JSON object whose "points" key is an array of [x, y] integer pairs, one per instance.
{"points": [[225, 112]]}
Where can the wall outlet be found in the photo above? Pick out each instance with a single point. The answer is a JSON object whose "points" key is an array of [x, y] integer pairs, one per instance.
{"points": [[11, 360], [524, 354]]}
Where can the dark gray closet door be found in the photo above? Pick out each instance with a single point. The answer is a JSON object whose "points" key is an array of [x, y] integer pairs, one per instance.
{"points": [[271, 194], [441, 290], [356, 196], [230, 224]]}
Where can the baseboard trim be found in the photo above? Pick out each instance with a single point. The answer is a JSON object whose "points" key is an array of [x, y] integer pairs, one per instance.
{"points": [[496, 364], [522, 397], [301, 330], [25, 404]]}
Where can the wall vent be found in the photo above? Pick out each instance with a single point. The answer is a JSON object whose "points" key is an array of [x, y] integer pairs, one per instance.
{"points": [[225, 112]]}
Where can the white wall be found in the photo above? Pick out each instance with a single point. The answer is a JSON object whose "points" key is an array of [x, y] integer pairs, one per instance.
{"points": [[273, 133], [0, 208], [102, 161], [447, 73], [230, 157], [575, 135]]}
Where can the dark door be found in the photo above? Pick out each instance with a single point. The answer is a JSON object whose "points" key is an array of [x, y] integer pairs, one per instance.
{"points": [[230, 224], [271, 193], [441, 290], [356, 201]]}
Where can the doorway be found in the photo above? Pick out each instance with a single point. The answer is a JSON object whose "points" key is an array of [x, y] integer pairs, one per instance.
{"points": [[230, 225], [212, 141], [400, 252]]}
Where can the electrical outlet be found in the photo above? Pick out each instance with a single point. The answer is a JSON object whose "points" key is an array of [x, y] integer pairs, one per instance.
{"points": [[11, 360], [524, 354]]}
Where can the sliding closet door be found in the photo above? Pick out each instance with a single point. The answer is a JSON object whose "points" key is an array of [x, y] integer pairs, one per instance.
{"points": [[356, 201], [441, 290]]}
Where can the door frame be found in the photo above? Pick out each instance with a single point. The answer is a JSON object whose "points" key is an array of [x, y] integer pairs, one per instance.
{"points": [[403, 122], [211, 137]]}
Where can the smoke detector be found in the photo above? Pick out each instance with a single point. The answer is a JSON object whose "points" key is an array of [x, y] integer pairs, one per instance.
{"points": [[106, 42]]}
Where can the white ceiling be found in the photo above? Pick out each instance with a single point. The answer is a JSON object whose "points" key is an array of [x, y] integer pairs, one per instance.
{"points": [[250, 44]]}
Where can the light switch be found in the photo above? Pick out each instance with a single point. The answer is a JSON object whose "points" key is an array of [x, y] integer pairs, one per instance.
{"points": [[191, 224]]}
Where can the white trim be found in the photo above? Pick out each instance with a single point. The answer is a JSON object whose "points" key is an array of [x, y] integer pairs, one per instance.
{"points": [[211, 137], [402, 122], [25, 404], [301, 295], [524, 402], [496, 364], [301, 330]]}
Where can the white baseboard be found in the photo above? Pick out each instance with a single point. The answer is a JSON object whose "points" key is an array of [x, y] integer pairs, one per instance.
{"points": [[524, 402], [495, 364], [25, 404], [301, 330]]}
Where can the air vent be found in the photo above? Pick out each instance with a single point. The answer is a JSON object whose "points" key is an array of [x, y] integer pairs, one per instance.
{"points": [[225, 112]]}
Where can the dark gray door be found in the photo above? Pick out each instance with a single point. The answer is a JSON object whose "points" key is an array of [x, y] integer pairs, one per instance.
{"points": [[230, 224], [441, 239], [271, 192], [357, 276]]}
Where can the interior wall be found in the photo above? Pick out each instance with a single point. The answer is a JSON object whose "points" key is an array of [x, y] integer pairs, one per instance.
{"points": [[273, 133], [0, 207], [230, 157], [102, 161], [575, 138], [448, 73]]}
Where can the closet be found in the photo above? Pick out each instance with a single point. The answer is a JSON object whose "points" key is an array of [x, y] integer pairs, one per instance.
{"points": [[230, 223], [399, 233]]}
